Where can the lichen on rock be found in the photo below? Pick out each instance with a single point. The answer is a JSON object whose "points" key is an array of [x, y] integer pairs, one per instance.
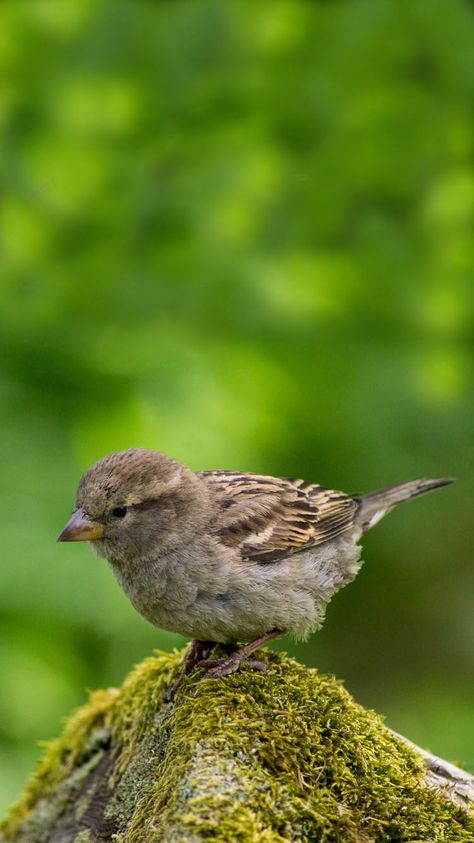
{"points": [[285, 755]]}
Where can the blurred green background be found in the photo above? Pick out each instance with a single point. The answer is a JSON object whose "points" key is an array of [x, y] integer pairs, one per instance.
{"points": [[240, 233]]}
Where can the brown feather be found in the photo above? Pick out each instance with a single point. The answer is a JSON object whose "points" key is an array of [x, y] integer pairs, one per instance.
{"points": [[270, 518]]}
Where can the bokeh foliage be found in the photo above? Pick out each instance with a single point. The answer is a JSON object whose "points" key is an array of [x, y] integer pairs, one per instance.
{"points": [[241, 233]]}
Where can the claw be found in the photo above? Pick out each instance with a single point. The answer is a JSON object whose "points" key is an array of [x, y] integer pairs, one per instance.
{"points": [[209, 662], [224, 667], [256, 665], [197, 649]]}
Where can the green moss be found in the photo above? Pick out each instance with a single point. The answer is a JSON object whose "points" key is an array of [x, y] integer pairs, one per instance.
{"points": [[278, 756], [61, 758]]}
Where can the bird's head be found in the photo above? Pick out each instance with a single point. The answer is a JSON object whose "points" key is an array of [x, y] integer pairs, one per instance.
{"points": [[134, 503]]}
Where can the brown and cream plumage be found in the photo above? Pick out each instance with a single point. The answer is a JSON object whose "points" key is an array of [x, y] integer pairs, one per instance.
{"points": [[224, 556], [268, 518]]}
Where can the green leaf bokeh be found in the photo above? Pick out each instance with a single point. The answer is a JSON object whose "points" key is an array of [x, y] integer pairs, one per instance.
{"points": [[240, 233]]}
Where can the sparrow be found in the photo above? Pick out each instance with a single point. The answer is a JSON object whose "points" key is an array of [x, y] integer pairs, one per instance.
{"points": [[225, 557]]}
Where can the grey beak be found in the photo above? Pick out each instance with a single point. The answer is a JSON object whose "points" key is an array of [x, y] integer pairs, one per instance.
{"points": [[80, 528]]}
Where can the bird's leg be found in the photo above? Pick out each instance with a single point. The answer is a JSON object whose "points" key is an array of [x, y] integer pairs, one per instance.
{"points": [[229, 664], [197, 651]]}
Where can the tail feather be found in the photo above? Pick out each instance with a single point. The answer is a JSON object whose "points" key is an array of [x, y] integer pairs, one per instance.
{"points": [[376, 504]]}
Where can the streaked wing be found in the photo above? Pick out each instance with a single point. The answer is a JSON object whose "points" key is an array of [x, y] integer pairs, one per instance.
{"points": [[269, 518]]}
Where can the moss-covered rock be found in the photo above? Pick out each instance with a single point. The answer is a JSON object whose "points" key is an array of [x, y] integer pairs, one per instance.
{"points": [[277, 756]]}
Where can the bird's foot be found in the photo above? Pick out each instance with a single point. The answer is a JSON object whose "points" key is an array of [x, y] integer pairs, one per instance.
{"points": [[231, 663], [197, 651]]}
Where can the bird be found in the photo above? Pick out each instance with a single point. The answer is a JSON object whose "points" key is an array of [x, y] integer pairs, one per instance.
{"points": [[225, 557]]}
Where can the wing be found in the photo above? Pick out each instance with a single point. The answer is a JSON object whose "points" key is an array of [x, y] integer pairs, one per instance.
{"points": [[269, 518]]}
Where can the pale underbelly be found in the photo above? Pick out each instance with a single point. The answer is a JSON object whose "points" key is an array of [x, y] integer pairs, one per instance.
{"points": [[290, 595]]}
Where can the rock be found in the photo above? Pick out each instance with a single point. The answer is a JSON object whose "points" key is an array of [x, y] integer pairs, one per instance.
{"points": [[285, 755]]}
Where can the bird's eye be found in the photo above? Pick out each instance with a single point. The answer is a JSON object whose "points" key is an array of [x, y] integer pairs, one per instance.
{"points": [[119, 511]]}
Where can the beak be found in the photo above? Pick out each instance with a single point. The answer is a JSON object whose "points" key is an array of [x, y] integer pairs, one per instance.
{"points": [[80, 528]]}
